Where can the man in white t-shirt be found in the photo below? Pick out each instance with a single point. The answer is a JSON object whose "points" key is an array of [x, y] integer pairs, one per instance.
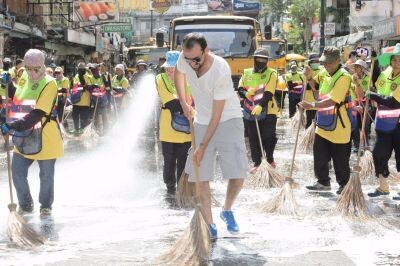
{"points": [[218, 124]]}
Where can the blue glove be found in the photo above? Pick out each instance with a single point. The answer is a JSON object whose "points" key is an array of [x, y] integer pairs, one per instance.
{"points": [[5, 129]]}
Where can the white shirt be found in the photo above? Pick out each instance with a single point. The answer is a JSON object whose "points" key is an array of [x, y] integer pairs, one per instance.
{"points": [[215, 84]]}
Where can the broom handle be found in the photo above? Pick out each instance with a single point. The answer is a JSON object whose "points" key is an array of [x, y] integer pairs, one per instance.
{"points": [[196, 167], [259, 137], [7, 141], [281, 110], [365, 114], [298, 130]]}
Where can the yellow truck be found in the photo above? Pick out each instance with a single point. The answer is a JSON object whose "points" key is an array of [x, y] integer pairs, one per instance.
{"points": [[231, 37], [277, 49]]}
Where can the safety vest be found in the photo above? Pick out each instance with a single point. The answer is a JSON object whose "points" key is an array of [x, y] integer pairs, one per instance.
{"points": [[281, 85], [297, 81], [327, 117], [256, 82], [386, 119], [309, 94], [29, 142], [117, 83], [99, 93]]}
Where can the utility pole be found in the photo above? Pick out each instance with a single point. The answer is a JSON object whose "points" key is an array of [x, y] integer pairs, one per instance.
{"points": [[322, 19]]}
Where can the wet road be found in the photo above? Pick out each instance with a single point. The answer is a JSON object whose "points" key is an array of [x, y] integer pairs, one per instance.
{"points": [[110, 209]]}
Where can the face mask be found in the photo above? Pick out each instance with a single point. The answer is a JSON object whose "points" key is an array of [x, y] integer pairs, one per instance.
{"points": [[81, 71], [95, 72], [293, 71], [259, 66], [35, 73], [314, 66]]}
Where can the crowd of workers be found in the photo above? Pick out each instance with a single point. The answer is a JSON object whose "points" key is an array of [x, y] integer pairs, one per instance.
{"points": [[332, 94]]}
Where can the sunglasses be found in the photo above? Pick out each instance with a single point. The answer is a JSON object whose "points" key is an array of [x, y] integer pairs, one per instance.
{"points": [[33, 68], [195, 60]]}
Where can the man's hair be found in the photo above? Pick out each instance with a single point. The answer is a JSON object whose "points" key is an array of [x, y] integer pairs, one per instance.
{"points": [[191, 39], [18, 61], [353, 53]]}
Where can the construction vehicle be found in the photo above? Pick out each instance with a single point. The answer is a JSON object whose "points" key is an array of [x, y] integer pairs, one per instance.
{"points": [[231, 37]]}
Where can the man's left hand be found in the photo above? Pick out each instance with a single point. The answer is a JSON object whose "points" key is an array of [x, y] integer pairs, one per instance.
{"points": [[257, 110]]}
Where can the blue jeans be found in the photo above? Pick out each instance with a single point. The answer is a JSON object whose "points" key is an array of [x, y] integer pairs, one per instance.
{"points": [[20, 166]]}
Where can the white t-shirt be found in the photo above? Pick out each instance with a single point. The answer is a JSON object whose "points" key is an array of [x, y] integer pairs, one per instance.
{"points": [[215, 84]]}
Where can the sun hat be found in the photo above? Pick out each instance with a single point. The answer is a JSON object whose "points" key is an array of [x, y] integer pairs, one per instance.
{"points": [[384, 59], [171, 59]]}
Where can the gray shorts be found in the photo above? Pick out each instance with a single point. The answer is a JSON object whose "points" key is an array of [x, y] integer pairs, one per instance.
{"points": [[228, 142]]}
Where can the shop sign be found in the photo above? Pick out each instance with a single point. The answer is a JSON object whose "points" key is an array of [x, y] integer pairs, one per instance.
{"points": [[329, 28], [117, 28], [246, 6], [384, 29]]}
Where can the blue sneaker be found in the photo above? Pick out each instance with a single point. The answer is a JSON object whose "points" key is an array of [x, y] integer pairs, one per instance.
{"points": [[229, 219], [212, 228]]}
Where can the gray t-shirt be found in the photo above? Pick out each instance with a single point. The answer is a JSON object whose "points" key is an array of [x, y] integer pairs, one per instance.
{"points": [[215, 84]]}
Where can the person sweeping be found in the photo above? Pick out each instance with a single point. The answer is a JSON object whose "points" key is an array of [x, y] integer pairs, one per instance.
{"points": [[332, 139], [386, 119], [294, 82], [175, 139], [36, 136], [257, 86], [218, 125]]}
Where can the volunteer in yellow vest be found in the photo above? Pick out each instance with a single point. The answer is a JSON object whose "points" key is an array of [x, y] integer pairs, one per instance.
{"points": [[387, 118], [175, 141], [14, 70], [311, 93], [294, 82], [5, 82], [120, 86], [332, 134], [257, 85], [281, 90], [80, 99], [33, 125], [63, 85], [360, 79], [99, 98]]}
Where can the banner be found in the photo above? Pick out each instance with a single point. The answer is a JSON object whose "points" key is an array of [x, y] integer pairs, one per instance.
{"points": [[249, 6], [134, 5], [194, 6], [160, 6], [219, 5], [95, 11]]}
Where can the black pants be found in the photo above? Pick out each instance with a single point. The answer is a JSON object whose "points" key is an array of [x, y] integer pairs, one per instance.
{"points": [[80, 115], [280, 98], [268, 137], [175, 155], [355, 134], [324, 151], [384, 145], [310, 115], [293, 101]]}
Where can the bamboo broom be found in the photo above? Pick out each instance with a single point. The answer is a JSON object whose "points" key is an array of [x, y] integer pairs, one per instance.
{"points": [[307, 141], [194, 246], [351, 202], [265, 176], [285, 202], [18, 230]]}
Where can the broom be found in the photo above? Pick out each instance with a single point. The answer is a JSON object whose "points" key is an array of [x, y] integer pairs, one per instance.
{"points": [[351, 202], [18, 230], [194, 246], [185, 194], [285, 202], [281, 121], [90, 130], [265, 176], [307, 141]]}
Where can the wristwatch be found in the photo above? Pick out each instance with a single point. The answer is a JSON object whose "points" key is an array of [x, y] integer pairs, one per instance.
{"points": [[313, 104]]}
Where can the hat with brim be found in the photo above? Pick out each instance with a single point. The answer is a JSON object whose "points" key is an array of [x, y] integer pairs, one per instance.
{"points": [[362, 64], [384, 59], [171, 59], [313, 58], [262, 53], [330, 55]]}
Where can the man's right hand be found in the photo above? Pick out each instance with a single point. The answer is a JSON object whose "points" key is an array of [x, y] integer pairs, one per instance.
{"points": [[188, 110], [308, 72]]}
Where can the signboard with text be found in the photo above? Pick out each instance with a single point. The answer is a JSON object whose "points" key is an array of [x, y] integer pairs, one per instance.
{"points": [[117, 28], [91, 12], [246, 6], [330, 28]]}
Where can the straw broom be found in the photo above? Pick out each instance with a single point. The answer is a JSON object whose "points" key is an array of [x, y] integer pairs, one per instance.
{"points": [[184, 196], [265, 176], [18, 230], [351, 202], [307, 141], [285, 202], [90, 130], [194, 246]]}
